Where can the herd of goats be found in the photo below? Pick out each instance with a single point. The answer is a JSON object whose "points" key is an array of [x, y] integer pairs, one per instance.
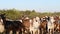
{"points": [[26, 25]]}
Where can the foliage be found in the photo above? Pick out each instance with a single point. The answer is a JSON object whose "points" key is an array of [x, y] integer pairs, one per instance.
{"points": [[16, 14]]}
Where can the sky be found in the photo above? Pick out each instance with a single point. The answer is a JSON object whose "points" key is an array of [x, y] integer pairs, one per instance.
{"points": [[38, 5]]}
